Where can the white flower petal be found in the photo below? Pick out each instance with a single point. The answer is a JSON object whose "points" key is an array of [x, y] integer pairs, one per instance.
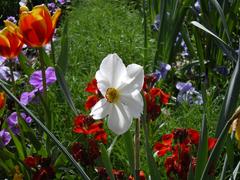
{"points": [[119, 120], [134, 103], [101, 109], [136, 73], [102, 83], [113, 69]]}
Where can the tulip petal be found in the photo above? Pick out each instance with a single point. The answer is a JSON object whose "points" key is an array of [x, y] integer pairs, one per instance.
{"points": [[55, 17], [134, 103], [101, 109], [119, 120], [113, 69]]}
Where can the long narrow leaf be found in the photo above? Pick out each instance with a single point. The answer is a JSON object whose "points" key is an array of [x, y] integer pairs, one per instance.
{"points": [[230, 100], [220, 11], [106, 161], [63, 58], [197, 24], [45, 129], [128, 142], [64, 89], [202, 154], [235, 172], [219, 145]]}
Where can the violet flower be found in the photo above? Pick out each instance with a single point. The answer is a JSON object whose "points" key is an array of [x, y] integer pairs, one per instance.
{"points": [[62, 2], [36, 78], [197, 6], [23, 2], [36, 82], [5, 138], [187, 93], [13, 121], [156, 25]]}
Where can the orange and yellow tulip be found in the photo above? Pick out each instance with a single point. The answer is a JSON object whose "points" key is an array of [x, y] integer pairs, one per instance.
{"points": [[10, 43], [2, 100], [35, 27]]}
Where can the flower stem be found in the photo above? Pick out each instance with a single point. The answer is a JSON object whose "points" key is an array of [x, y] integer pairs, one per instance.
{"points": [[137, 148], [145, 31], [49, 133], [42, 64]]}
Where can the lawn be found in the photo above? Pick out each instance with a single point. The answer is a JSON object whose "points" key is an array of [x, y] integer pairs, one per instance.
{"points": [[120, 89]]}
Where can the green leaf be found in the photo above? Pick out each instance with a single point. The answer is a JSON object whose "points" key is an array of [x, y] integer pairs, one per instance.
{"points": [[64, 89], [106, 161], [18, 145], [235, 172], [5, 154], [190, 173], [200, 26], [220, 11], [28, 70], [216, 152], [128, 143], [202, 154], [63, 57], [230, 99]]}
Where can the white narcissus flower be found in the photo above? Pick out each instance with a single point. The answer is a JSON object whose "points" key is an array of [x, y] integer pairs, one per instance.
{"points": [[120, 87]]}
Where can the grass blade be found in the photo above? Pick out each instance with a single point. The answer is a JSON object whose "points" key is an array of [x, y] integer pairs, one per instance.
{"points": [[235, 172], [49, 133]]}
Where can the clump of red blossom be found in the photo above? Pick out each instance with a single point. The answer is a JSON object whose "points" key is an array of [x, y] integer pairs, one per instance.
{"points": [[88, 126], [42, 167], [86, 153], [155, 97], [181, 144]]}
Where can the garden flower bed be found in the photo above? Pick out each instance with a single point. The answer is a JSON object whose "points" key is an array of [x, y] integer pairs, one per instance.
{"points": [[94, 89]]}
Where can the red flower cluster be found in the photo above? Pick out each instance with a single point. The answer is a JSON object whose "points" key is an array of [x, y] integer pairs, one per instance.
{"points": [[180, 143], [93, 99], [87, 125], [42, 167], [86, 155], [118, 174], [155, 97]]}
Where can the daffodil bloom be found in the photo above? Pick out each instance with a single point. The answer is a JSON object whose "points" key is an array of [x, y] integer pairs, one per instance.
{"points": [[10, 43], [120, 87], [35, 27]]}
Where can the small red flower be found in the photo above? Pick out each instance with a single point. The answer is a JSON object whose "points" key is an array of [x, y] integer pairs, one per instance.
{"points": [[155, 97], [161, 149], [194, 136], [167, 139], [31, 161], [86, 155], [92, 87], [211, 143], [91, 101]]}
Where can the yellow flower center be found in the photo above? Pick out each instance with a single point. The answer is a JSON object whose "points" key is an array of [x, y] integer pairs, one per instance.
{"points": [[112, 95]]}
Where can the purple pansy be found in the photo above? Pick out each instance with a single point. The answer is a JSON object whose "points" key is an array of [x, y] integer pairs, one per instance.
{"points": [[36, 82], [36, 78], [13, 121], [5, 138], [187, 93], [163, 70]]}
